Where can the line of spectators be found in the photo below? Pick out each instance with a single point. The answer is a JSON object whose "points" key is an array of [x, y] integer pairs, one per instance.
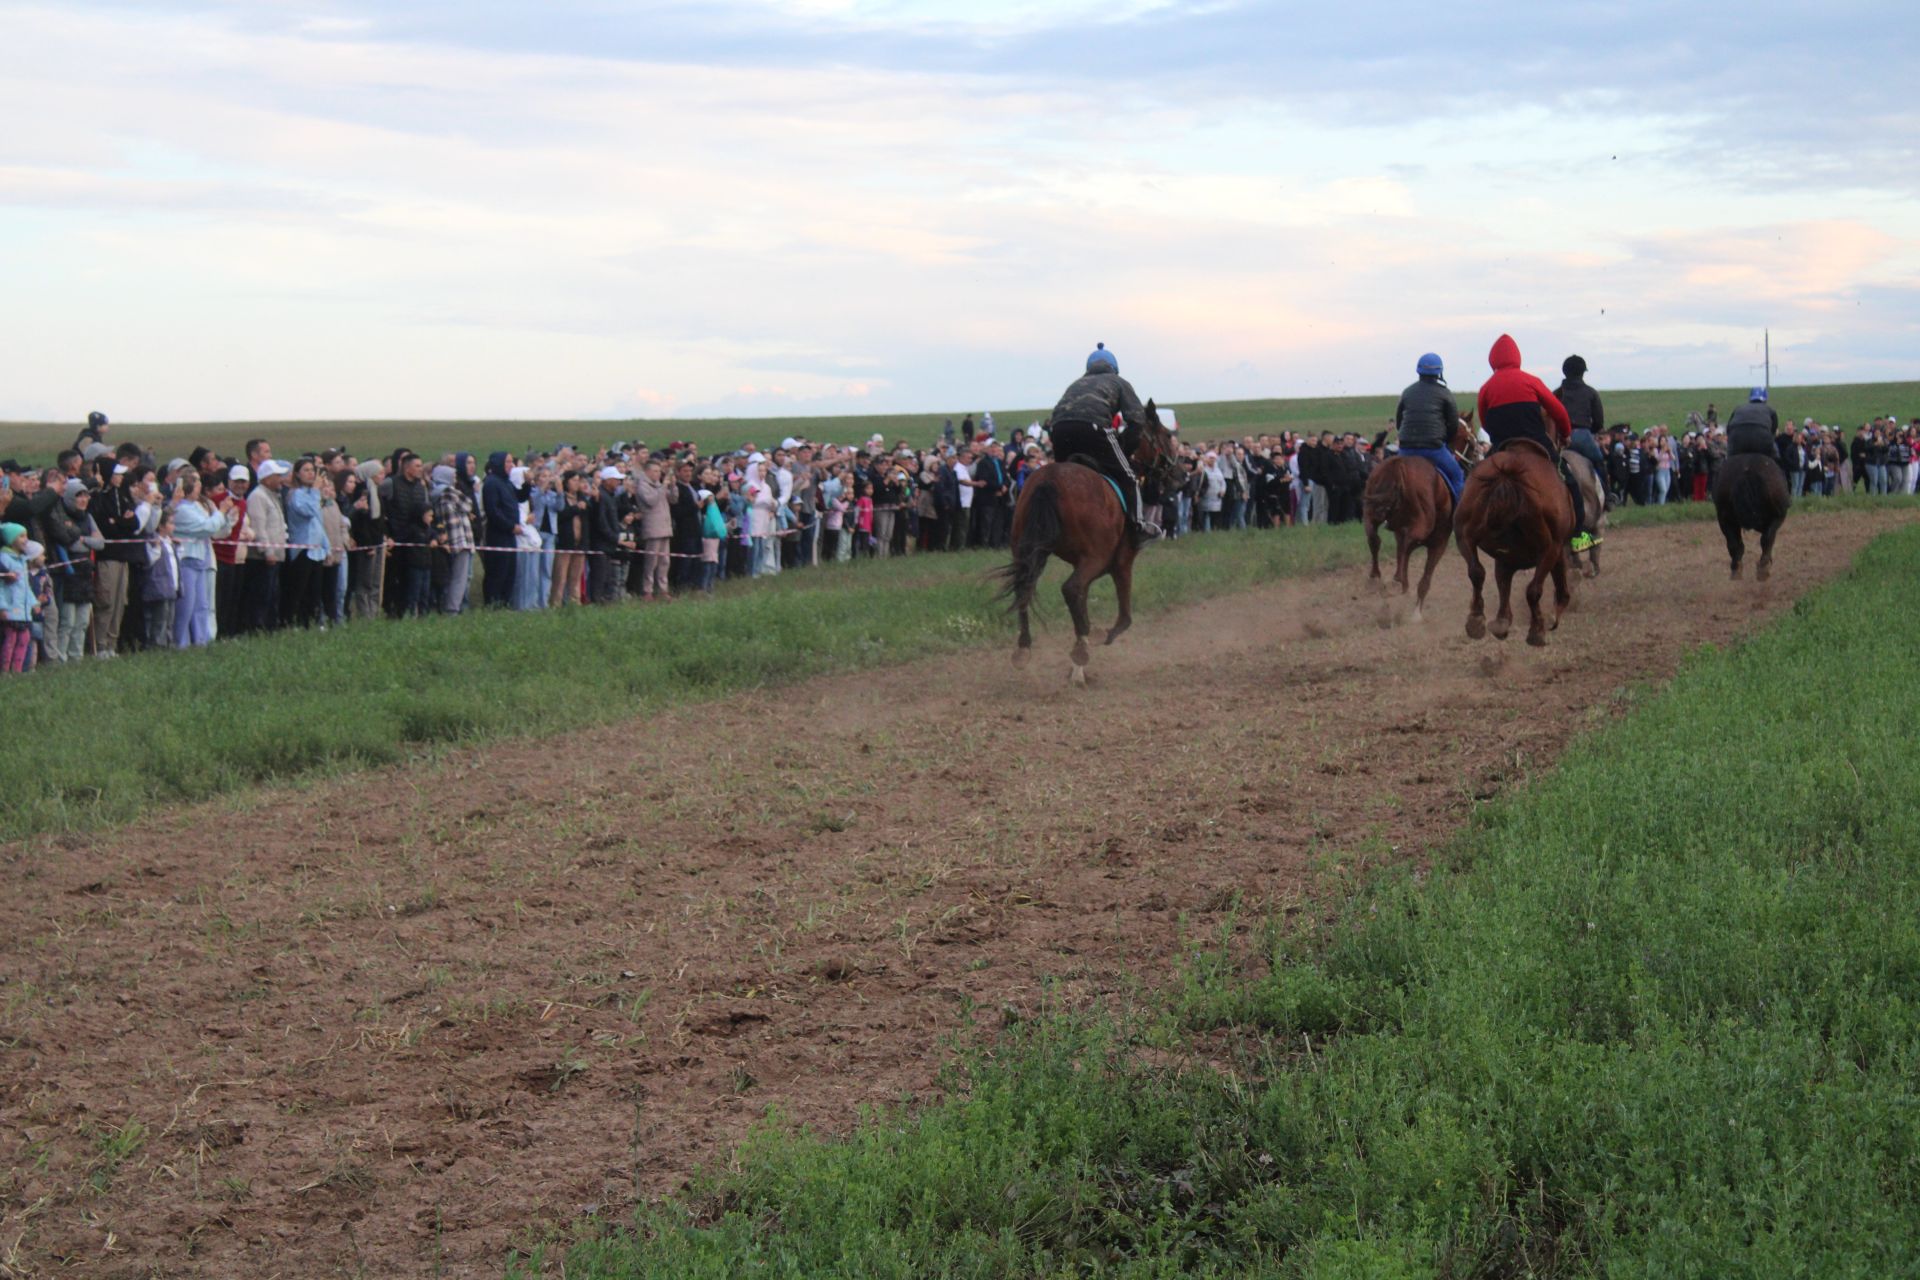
{"points": [[105, 552]]}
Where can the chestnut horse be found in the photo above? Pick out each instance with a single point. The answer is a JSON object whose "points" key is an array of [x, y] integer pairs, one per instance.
{"points": [[1411, 497], [1516, 509], [1068, 509], [1751, 493]]}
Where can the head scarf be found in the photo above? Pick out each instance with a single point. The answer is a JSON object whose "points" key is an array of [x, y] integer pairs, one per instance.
{"points": [[443, 478], [368, 470]]}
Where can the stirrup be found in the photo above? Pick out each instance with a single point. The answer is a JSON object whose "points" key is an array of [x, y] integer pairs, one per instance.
{"points": [[1145, 531]]}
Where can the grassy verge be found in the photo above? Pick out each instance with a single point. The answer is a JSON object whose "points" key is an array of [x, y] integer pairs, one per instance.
{"points": [[1656, 1015], [187, 725], [1688, 512]]}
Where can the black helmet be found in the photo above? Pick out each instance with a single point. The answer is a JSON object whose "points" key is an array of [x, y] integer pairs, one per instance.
{"points": [[1573, 367], [96, 420]]}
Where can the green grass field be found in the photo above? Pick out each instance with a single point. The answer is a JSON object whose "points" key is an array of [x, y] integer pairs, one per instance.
{"points": [[1654, 1015], [1849, 405]]}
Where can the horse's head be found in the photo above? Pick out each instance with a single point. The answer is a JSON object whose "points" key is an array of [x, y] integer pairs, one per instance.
{"points": [[1156, 456], [1466, 441]]}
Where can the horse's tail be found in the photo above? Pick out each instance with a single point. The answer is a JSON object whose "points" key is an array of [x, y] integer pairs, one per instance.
{"points": [[1505, 504], [1039, 531], [1757, 494]]}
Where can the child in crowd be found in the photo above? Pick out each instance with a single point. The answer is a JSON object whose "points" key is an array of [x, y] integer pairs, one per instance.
{"points": [[863, 518], [16, 600], [162, 587], [40, 586]]}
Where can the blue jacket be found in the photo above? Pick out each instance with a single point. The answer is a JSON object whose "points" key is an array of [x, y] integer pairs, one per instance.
{"points": [[500, 502], [304, 526], [16, 597]]}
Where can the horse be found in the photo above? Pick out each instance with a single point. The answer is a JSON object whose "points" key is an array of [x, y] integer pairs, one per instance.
{"points": [[1411, 497], [1594, 494], [1515, 508], [1751, 493], [1068, 509]]}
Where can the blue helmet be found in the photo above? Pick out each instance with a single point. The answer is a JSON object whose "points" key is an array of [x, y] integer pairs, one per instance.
{"points": [[1757, 396], [1430, 366], [1102, 361]]}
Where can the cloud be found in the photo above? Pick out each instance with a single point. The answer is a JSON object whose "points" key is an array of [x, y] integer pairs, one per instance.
{"points": [[498, 209]]}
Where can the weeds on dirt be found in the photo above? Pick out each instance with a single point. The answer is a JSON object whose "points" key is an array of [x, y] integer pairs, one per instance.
{"points": [[1653, 1015]]}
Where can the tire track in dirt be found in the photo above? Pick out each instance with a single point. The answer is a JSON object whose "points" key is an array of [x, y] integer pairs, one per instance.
{"points": [[405, 1020]]}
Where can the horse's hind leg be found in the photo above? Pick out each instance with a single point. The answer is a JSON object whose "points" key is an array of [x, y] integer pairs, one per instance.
{"points": [[1736, 546], [1562, 593], [1435, 550], [1503, 620], [1024, 650], [1477, 575], [1373, 546], [1403, 545], [1536, 587], [1123, 593], [1764, 570], [1074, 590]]}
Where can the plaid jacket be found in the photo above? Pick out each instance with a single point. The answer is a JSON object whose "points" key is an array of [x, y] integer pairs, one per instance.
{"points": [[453, 516]]}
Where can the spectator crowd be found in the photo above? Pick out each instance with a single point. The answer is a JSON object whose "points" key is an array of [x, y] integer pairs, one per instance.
{"points": [[104, 552]]}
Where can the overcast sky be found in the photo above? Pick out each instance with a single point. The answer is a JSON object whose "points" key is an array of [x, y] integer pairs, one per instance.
{"points": [[565, 208]]}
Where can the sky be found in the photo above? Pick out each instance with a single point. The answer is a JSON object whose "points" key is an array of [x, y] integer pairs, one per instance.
{"points": [[581, 208]]}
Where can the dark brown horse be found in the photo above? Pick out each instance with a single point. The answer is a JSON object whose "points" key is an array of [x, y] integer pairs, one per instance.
{"points": [[1516, 509], [1751, 493], [1068, 509], [1411, 497]]}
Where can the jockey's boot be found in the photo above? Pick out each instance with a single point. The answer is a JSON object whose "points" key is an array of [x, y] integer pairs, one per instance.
{"points": [[1142, 531]]}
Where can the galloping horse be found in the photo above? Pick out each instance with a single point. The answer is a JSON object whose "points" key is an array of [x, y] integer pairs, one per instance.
{"points": [[1069, 509], [1751, 493], [1411, 497], [1516, 509]]}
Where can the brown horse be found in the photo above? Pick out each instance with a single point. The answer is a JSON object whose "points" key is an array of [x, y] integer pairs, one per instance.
{"points": [[1751, 493], [1410, 497], [1068, 509], [1516, 509]]}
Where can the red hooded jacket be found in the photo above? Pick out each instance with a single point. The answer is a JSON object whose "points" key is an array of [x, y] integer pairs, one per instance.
{"points": [[1514, 403]]}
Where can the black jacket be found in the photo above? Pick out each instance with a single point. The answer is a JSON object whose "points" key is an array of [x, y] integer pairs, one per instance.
{"points": [[1426, 416], [1096, 398], [1582, 404], [406, 514], [604, 521]]}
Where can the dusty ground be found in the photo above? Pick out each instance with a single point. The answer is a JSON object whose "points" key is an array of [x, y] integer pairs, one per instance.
{"points": [[400, 1023]]}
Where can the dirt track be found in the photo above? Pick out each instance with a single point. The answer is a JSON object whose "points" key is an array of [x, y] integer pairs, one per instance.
{"points": [[401, 1022]]}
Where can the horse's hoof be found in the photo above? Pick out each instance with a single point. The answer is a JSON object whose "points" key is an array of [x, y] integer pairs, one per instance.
{"points": [[1476, 628], [1419, 615], [1020, 657], [1536, 639], [1500, 629], [1078, 676], [1764, 572]]}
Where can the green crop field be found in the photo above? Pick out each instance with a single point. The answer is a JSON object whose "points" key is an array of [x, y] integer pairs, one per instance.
{"points": [[1654, 1015], [1849, 405]]}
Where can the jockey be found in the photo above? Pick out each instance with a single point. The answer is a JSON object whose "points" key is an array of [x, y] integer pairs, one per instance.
{"points": [[1426, 419], [1515, 405], [1751, 427], [1082, 426], [1583, 410]]}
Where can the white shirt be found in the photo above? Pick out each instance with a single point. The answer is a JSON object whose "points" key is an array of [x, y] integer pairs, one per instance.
{"points": [[963, 473]]}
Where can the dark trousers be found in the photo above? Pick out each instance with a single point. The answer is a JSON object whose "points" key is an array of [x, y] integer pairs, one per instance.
{"points": [[605, 576], [261, 589], [302, 591], [497, 570], [416, 587], [958, 521], [228, 592]]}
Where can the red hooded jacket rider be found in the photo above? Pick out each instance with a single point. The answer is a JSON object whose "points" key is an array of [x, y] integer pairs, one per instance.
{"points": [[1515, 404]]}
